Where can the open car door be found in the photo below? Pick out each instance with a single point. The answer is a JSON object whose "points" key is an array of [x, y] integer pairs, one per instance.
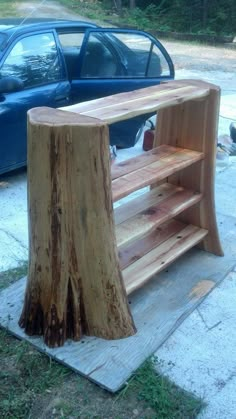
{"points": [[118, 60]]}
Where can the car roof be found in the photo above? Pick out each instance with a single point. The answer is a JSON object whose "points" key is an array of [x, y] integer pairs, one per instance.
{"points": [[17, 26], [21, 25], [13, 27]]}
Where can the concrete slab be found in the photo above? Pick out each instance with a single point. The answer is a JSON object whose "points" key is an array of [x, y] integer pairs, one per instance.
{"points": [[13, 220], [201, 355]]}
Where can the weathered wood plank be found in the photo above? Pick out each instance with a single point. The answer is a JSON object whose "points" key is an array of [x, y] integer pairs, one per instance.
{"points": [[159, 258], [158, 309], [152, 216], [154, 172], [127, 105]]}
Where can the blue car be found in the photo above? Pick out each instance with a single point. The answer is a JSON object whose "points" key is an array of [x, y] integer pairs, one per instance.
{"points": [[57, 63]]}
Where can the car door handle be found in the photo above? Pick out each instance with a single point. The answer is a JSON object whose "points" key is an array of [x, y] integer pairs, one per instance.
{"points": [[59, 98]]}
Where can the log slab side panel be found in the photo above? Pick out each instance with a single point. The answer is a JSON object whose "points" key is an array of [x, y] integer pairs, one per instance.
{"points": [[193, 125], [75, 284]]}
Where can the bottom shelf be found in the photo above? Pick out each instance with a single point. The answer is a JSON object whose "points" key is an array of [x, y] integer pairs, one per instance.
{"points": [[153, 253]]}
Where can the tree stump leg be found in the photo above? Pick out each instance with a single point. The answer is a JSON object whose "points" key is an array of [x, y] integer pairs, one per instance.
{"points": [[75, 285]]}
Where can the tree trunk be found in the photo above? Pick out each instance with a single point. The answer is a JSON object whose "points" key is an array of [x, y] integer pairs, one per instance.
{"points": [[74, 285], [132, 4], [118, 6], [204, 13]]}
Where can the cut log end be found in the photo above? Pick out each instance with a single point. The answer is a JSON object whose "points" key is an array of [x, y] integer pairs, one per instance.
{"points": [[56, 117]]}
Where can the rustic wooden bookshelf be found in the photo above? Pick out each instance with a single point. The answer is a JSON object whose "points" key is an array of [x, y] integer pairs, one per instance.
{"points": [[86, 256]]}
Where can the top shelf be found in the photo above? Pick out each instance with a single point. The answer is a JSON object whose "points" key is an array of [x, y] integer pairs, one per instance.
{"points": [[127, 105]]}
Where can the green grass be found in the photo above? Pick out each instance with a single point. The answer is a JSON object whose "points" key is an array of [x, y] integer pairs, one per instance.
{"points": [[25, 373], [163, 396], [33, 385]]}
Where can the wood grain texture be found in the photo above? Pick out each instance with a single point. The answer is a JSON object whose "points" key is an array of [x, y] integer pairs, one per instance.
{"points": [[74, 285], [154, 172], [135, 251], [131, 208], [130, 165], [138, 273], [128, 105], [194, 125], [152, 216]]}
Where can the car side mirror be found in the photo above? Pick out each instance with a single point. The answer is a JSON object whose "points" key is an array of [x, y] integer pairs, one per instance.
{"points": [[10, 84]]}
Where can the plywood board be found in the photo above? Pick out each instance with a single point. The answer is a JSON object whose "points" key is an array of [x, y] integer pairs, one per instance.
{"points": [[158, 308]]}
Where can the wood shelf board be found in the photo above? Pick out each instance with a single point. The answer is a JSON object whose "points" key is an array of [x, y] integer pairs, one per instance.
{"points": [[127, 105], [154, 172], [147, 157], [135, 251], [141, 202], [167, 202], [139, 272]]}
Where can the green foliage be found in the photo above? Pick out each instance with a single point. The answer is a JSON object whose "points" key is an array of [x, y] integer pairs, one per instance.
{"points": [[210, 17], [205, 16]]}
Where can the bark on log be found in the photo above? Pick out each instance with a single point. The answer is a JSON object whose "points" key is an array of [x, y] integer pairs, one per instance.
{"points": [[75, 284]]}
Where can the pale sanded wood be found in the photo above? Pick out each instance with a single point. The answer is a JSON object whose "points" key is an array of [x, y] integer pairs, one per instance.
{"points": [[74, 285], [128, 105], [136, 250], [159, 258], [154, 172], [134, 206], [194, 125], [151, 217], [135, 163]]}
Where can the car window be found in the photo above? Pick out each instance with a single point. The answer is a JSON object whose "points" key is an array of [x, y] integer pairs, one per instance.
{"points": [[34, 60], [71, 39], [100, 58], [71, 44], [123, 54], [144, 58]]}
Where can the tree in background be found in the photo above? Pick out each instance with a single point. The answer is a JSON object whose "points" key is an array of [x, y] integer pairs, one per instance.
{"points": [[193, 16]]}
